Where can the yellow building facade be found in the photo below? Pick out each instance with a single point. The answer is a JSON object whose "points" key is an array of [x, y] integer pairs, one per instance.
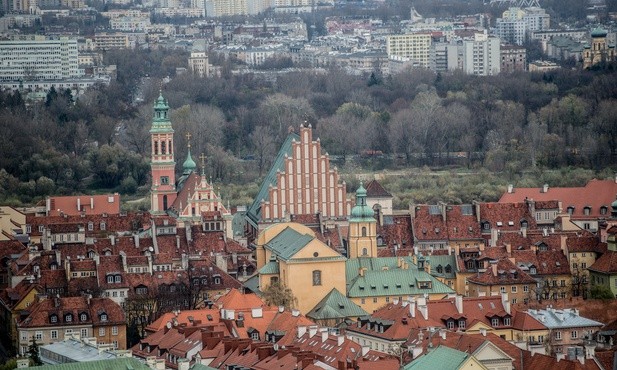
{"points": [[290, 254]]}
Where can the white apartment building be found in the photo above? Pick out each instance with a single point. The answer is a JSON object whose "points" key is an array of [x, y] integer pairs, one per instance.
{"points": [[477, 56], [415, 46], [129, 24], [517, 24], [39, 58], [198, 63], [482, 56]]}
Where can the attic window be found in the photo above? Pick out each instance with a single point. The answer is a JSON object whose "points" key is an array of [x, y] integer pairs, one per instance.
{"points": [[448, 269], [499, 223], [103, 316], [570, 210], [373, 287], [510, 223], [53, 319], [398, 285], [603, 210], [486, 225], [587, 210], [436, 230], [68, 317], [524, 223]]}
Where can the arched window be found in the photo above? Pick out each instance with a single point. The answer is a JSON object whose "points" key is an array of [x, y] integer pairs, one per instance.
{"points": [[110, 279], [156, 147], [163, 149], [164, 202], [53, 319], [68, 317], [83, 316], [364, 252], [524, 223], [363, 230], [448, 269], [103, 316], [118, 278], [439, 269], [316, 277], [217, 280]]}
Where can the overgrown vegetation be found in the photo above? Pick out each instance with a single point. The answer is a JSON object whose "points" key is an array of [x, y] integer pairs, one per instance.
{"points": [[452, 137]]}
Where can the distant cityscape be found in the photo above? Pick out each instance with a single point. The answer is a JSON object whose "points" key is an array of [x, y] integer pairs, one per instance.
{"points": [[473, 44]]}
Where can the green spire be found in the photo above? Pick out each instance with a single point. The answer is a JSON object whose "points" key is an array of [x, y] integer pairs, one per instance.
{"points": [[161, 122], [189, 165], [361, 212]]}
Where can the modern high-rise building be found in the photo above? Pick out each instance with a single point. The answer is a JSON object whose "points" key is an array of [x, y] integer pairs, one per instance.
{"points": [[517, 24], [39, 58], [479, 55], [415, 46]]}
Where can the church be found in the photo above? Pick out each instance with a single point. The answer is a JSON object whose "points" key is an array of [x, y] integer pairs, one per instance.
{"points": [[190, 197]]}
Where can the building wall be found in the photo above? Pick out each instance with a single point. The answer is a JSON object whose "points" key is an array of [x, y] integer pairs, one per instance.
{"points": [[8, 218], [308, 185], [39, 58], [415, 46]]}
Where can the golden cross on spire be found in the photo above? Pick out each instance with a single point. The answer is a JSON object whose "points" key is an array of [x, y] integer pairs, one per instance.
{"points": [[188, 139], [203, 160]]}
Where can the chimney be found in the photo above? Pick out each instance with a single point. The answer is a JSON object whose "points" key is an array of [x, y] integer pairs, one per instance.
{"points": [[136, 240], [91, 203], [416, 351], [442, 333], [281, 309], [324, 336], [123, 257], [560, 356], [295, 313], [365, 350], [545, 188], [78, 203], [112, 239], [178, 242], [340, 339], [483, 331], [505, 302], [361, 271], [508, 249], [264, 352], [458, 302], [183, 364], [312, 331], [412, 308], [510, 188], [493, 267], [301, 331]]}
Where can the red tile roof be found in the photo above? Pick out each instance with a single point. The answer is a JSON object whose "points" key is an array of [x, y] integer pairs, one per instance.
{"points": [[375, 190], [89, 204], [507, 273], [507, 216], [41, 312], [606, 264], [595, 194]]}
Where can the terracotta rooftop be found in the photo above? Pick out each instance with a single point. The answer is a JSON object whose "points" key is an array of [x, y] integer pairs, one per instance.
{"points": [[595, 194], [375, 190], [88, 204]]}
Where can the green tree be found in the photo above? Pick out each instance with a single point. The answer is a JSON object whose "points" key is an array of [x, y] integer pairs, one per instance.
{"points": [[601, 292], [277, 294], [33, 353]]}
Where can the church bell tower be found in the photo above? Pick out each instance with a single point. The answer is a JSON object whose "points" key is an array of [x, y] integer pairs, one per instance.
{"points": [[162, 165], [362, 228]]}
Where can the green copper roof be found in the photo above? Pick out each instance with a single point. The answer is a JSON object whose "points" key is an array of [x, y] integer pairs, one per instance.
{"points": [[160, 121], [335, 306], [288, 242], [599, 32], [443, 261], [442, 358], [189, 165], [383, 277], [127, 363], [361, 212], [254, 212], [270, 268]]}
